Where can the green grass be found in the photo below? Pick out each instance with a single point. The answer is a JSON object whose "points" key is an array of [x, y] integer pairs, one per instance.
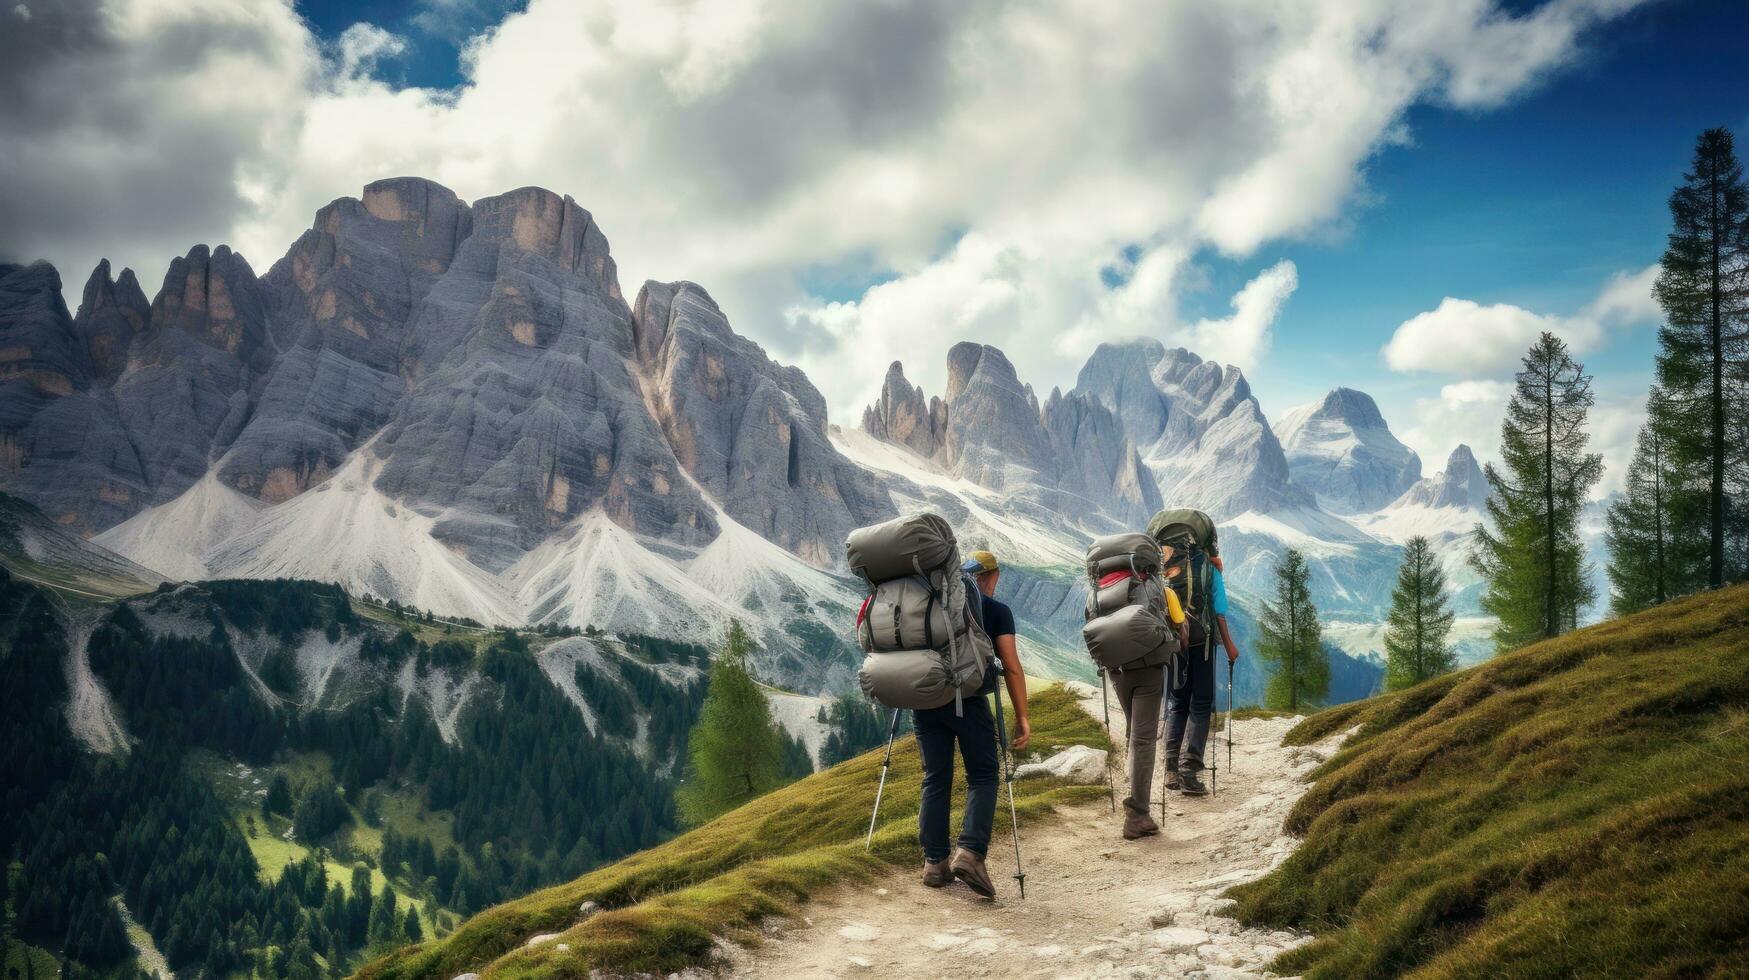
{"points": [[667, 904], [1576, 808]]}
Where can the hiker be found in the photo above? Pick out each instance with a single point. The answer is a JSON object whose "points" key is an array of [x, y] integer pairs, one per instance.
{"points": [[975, 730], [1194, 570], [1135, 626], [928, 652]]}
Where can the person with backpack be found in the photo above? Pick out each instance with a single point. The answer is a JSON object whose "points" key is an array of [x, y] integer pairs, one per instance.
{"points": [[1134, 628], [1191, 553], [974, 730], [923, 628]]}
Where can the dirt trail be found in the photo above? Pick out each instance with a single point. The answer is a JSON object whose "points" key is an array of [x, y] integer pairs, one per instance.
{"points": [[1096, 905]]}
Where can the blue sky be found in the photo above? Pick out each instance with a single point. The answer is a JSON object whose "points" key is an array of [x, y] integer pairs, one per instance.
{"points": [[1285, 187]]}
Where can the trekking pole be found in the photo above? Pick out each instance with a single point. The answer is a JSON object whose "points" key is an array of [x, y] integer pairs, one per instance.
{"points": [[1008, 777], [892, 730], [1110, 785], [1229, 714]]}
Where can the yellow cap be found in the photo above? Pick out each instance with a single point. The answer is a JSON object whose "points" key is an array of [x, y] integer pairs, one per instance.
{"points": [[983, 559]]}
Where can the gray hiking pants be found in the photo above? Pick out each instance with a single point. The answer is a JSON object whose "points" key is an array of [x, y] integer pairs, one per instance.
{"points": [[1138, 693]]}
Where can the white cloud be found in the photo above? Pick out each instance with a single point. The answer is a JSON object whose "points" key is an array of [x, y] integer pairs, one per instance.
{"points": [[736, 142], [1466, 412], [362, 45], [22, 12], [1468, 339]]}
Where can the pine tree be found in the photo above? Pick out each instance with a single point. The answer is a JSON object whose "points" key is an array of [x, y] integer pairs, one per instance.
{"points": [[279, 797], [734, 753], [1532, 559], [1703, 356], [1292, 639], [411, 931], [1420, 620], [1656, 529]]}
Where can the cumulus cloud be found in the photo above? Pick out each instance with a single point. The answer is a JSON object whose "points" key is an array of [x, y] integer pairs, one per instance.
{"points": [[1467, 412], [990, 160], [1469, 339]]}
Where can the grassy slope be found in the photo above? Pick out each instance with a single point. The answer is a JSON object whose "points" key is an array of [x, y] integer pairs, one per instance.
{"points": [[1579, 807], [667, 904]]}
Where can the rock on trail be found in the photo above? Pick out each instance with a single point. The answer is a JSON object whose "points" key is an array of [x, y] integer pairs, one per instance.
{"points": [[1096, 905]]}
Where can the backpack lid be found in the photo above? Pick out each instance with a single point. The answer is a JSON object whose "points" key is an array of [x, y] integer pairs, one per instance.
{"points": [[901, 547], [1180, 522], [1132, 551]]}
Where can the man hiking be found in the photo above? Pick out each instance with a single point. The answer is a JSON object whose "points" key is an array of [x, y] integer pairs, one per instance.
{"points": [[1195, 572], [973, 727]]}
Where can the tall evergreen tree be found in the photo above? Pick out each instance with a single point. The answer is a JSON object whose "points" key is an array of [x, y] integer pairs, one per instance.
{"points": [[1656, 529], [1532, 559], [1292, 639], [1703, 356], [1420, 620], [734, 753]]}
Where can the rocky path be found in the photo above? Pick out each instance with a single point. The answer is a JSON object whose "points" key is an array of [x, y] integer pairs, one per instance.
{"points": [[1096, 905]]}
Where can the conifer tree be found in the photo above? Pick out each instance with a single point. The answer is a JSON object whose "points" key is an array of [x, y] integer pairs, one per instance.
{"points": [[1420, 620], [411, 930], [1656, 528], [1532, 559], [734, 753], [1292, 639], [1703, 355]]}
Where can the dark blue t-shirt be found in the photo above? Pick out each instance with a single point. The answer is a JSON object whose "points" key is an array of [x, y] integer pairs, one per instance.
{"points": [[998, 618], [998, 621]]}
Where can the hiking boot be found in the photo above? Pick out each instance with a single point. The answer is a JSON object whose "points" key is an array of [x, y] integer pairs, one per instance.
{"points": [[1137, 823], [1190, 784], [969, 868], [937, 873], [1172, 783]]}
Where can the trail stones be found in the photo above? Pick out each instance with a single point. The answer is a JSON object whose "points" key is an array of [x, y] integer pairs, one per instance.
{"points": [[857, 932], [1178, 938], [1076, 764], [587, 911]]}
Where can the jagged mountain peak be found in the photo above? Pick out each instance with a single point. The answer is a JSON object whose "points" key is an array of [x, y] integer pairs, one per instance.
{"points": [[1460, 485], [1342, 450], [1196, 424], [1354, 407]]}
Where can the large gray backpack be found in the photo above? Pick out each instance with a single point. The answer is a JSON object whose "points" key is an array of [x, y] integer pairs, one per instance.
{"points": [[924, 639], [1127, 625]]}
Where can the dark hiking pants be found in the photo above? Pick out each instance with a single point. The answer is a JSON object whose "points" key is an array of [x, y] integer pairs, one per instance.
{"points": [[1138, 693], [975, 731], [1188, 709]]}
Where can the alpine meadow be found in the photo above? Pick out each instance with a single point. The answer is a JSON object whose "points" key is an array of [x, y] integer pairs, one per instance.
{"points": [[583, 488]]}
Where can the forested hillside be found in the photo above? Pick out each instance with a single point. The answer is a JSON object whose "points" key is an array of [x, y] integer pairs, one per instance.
{"points": [[276, 780]]}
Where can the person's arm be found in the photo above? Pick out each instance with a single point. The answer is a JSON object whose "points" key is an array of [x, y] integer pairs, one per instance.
{"points": [[1227, 639], [1014, 676]]}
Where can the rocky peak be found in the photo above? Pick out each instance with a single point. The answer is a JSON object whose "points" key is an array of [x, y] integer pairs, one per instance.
{"points": [[1196, 425], [1341, 449], [214, 296], [750, 431], [903, 417], [1461, 484], [536, 221], [111, 314], [994, 435]]}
